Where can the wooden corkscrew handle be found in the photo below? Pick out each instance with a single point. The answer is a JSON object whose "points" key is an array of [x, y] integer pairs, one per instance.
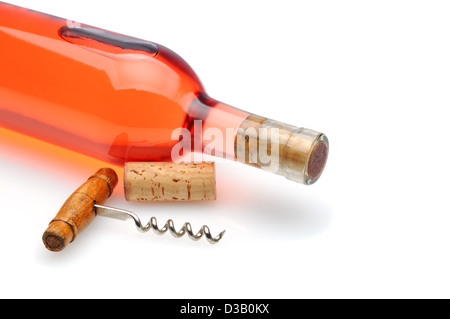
{"points": [[78, 210]]}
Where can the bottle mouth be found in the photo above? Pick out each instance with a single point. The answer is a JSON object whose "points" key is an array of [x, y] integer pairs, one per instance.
{"points": [[317, 160], [305, 155]]}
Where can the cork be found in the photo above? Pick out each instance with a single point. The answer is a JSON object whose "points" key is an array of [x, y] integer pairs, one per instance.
{"points": [[78, 210], [167, 181], [317, 159], [297, 153]]}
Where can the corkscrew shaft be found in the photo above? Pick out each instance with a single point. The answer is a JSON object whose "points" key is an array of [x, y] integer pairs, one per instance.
{"points": [[122, 214]]}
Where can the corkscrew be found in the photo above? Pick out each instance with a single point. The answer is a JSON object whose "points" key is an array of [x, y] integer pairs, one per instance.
{"points": [[87, 202]]}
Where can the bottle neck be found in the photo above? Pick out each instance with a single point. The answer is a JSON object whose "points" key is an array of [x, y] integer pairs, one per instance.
{"points": [[214, 126], [221, 130]]}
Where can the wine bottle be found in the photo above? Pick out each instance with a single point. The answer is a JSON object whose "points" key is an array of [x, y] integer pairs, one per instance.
{"points": [[122, 99]]}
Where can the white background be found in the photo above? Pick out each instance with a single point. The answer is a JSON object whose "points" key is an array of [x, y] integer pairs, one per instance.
{"points": [[373, 75]]}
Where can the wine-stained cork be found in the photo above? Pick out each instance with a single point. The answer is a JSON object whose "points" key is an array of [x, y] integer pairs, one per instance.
{"points": [[299, 154], [166, 181], [78, 210]]}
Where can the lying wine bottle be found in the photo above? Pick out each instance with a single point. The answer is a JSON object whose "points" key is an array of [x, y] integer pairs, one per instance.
{"points": [[122, 99]]}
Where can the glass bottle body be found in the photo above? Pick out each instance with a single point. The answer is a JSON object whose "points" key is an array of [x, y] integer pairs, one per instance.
{"points": [[97, 98]]}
